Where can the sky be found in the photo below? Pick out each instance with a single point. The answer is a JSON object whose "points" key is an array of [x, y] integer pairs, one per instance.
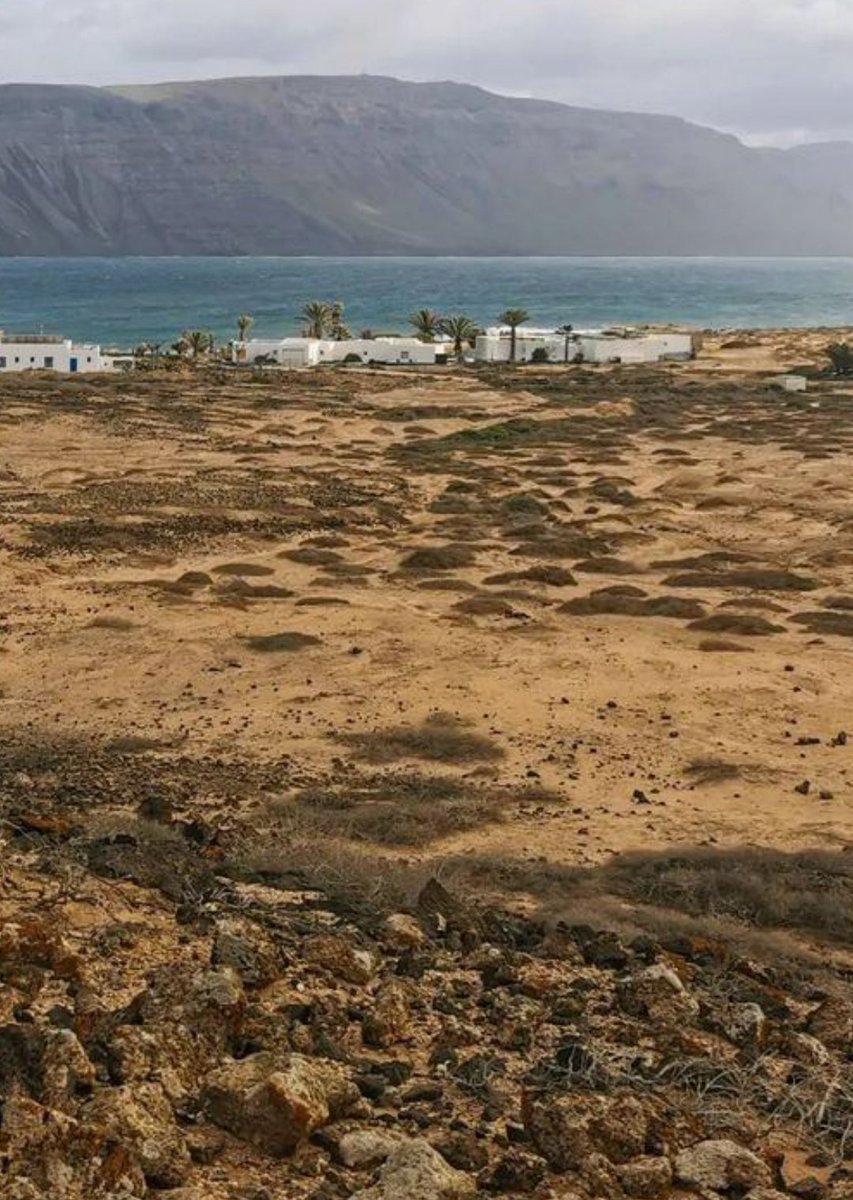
{"points": [[774, 72]]}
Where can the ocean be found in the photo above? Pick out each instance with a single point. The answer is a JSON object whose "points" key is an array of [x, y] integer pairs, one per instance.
{"points": [[123, 301]]}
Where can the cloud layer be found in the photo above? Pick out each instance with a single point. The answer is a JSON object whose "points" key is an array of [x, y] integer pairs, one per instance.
{"points": [[770, 70]]}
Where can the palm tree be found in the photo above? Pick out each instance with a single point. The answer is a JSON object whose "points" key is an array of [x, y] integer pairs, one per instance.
{"points": [[568, 332], [513, 317], [244, 326], [197, 342], [338, 328], [461, 329], [317, 315], [426, 324]]}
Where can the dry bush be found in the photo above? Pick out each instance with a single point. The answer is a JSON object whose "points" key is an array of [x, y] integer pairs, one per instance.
{"points": [[552, 576], [115, 624], [755, 603], [312, 556], [742, 624], [723, 646], [447, 585], [441, 738], [353, 880], [254, 591], [611, 603], [439, 558], [809, 891], [277, 643], [755, 902], [758, 578], [484, 606], [839, 623], [711, 770], [243, 569], [321, 602], [608, 566]]}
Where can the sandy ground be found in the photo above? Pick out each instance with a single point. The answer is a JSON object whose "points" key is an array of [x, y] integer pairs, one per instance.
{"points": [[642, 730]]}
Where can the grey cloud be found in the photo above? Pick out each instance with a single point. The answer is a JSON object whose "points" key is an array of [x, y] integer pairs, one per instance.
{"points": [[770, 70]]}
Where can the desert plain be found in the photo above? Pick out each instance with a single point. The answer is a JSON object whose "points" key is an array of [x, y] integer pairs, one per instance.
{"points": [[285, 657]]}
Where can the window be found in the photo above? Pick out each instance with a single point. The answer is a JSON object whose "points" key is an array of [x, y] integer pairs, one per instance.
{"points": [[3, 362], [48, 362], [32, 360]]}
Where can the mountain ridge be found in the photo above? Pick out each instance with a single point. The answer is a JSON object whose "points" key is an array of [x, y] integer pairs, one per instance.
{"points": [[372, 165]]}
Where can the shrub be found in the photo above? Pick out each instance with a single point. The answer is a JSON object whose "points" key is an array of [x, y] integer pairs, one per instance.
{"points": [[439, 558], [276, 643], [441, 738], [840, 355]]}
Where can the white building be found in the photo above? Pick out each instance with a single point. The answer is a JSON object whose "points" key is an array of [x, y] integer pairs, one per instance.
{"points": [[45, 352], [590, 345], [791, 383], [315, 352]]}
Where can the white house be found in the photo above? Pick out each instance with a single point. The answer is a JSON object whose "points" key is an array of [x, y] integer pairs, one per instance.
{"points": [[46, 352], [590, 345], [315, 352]]}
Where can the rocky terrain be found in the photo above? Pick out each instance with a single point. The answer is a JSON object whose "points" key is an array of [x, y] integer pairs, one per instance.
{"points": [[361, 165], [427, 784]]}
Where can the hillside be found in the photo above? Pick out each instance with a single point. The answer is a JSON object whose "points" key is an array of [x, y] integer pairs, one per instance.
{"points": [[374, 166]]}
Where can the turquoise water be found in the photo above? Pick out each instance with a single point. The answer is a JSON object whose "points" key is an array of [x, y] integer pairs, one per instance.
{"points": [[124, 301]]}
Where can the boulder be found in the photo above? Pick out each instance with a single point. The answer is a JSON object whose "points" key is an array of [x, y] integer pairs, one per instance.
{"points": [[52, 1156], [647, 1178], [389, 1020], [276, 1101], [141, 1118], [516, 1171], [36, 942], [414, 1169], [67, 1072], [832, 1023], [568, 1129], [657, 994], [721, 1165], [402, 932], [362, 1148], [339, 957], [248, 950], [745, 1024]]}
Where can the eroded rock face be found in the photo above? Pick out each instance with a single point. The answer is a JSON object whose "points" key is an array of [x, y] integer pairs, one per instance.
{"points": [[720, 1166], [275, 1103], [414, 1169]]}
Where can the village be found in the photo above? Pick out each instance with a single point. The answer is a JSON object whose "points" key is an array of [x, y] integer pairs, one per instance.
{"points": [[500, 344]]}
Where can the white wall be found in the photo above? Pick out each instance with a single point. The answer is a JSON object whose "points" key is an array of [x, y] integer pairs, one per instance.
{"points": [[495, 345], [311, 352], [64, 356]]}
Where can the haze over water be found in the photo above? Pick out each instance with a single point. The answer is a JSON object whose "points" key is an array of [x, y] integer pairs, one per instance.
{"points": [[125, 301]]}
